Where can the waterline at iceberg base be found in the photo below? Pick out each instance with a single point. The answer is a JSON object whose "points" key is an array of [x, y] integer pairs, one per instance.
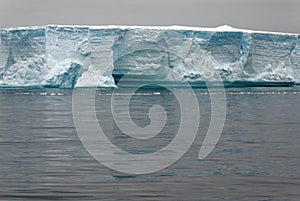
{"points": [[88, 56]]}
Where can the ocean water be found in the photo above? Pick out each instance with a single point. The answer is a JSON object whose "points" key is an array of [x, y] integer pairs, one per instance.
{"points": [[256, 158]]}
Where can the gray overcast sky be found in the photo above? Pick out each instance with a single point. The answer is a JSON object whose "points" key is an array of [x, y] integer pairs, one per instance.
{"points": [[271, 15]]}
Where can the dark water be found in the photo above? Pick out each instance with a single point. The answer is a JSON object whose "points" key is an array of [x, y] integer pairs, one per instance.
{"points": [[257, 157]]}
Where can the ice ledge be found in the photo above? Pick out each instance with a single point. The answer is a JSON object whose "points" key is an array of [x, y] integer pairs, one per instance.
{"points": [[223, 28]]}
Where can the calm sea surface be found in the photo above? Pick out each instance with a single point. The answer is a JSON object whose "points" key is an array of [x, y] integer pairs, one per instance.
{"points": [[257, 157]]}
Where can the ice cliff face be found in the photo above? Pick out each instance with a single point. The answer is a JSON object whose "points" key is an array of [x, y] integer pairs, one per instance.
{"points": [[74, 56]]}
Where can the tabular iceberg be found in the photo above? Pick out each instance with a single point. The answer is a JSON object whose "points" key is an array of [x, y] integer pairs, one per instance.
{"points": [[88, 56]]}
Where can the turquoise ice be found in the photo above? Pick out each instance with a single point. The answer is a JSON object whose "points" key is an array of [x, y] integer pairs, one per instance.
{"points": [[88, 56]]}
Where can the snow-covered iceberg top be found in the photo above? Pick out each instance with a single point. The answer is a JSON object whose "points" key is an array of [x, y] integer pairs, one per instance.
{"points": [[84, 56], [223, 28]]}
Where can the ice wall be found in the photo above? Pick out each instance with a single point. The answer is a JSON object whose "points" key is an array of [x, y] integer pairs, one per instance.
{"points": [[101, 63], [67, 55], [83, 56], [23, 57], [295, 59]]}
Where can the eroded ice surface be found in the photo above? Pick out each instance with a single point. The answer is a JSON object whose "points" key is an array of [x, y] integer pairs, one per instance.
{"points": [[86, 56]]}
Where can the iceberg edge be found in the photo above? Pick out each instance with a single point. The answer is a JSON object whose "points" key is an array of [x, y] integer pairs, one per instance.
{"points": [[67, 56]]}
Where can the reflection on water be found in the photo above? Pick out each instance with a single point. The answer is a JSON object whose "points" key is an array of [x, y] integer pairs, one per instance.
{"points": [[257, 157]]}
